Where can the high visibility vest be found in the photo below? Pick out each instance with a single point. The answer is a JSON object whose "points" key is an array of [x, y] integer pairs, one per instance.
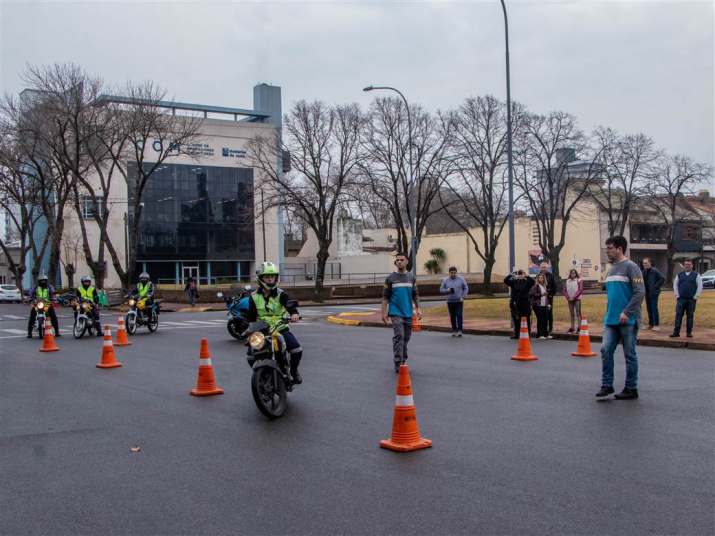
{"points": [[143, 289], [43, 294], [271, 311], [86, 294]]}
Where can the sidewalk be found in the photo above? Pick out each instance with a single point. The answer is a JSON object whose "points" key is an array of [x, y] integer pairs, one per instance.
{"points": [[704, 339]]}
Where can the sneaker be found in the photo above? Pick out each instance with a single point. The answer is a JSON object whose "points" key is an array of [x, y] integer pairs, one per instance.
{"points": [[514, 337], [454, 334], [459, 334], [689, 335], [627, 394], [29, 335], [571, 330], [655, 328], [297, 378], [605, 391], [674, 335], [542, 338], [549, 336]]}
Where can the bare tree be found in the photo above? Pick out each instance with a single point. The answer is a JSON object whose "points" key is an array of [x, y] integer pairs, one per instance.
{"points": [[675, 177], [386, 166], [625, 166], [323, 143], [476, 188], [550, 178]]}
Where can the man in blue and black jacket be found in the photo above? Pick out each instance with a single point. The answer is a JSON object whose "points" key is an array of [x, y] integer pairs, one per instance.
{"points": [[625, 292], [398, 296], [687, 287]]}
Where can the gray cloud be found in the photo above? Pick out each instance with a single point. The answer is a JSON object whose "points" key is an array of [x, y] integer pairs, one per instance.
{"points": [[636, 66]]}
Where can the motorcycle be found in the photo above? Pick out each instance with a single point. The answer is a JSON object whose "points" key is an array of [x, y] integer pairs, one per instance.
{"points": [[237, 306], [65, 300], [270, 361], [141, 314], [42, 308], [84, 321]]}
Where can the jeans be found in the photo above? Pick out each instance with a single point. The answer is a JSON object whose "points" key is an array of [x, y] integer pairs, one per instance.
{"points": [[627, 335], [542, 320], [516, 317], [687, 306], [294, 349], [402, 331], [575, 312], [651, 303], [456, 310]]}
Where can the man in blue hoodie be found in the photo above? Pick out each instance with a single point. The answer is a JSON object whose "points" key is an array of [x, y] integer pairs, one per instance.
{"points": [[625, 292], [456, 289]]}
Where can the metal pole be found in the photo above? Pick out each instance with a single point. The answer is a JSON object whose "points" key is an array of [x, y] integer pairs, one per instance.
{"points": [[412, 194], [512, 248], [263, 226]]}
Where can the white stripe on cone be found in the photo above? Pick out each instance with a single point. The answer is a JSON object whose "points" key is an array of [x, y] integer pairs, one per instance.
{"points": [[404, 401], [108, 343], [205, 362]]}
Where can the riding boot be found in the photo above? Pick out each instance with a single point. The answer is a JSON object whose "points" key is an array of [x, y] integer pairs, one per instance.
{"points": [[294, 362], [99, 329]]}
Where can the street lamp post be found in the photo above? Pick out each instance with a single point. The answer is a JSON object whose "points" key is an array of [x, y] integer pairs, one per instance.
{"points": [[512, 249], [412, 181]]}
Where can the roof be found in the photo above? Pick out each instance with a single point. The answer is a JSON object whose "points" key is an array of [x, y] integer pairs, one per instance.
{"points": [[253, 115]]}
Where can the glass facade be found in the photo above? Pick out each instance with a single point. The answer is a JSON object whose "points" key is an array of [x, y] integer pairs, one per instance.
{"points": [[197, 213]]}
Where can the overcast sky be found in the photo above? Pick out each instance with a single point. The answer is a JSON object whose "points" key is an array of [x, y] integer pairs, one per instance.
{"points": [[642, 66]]}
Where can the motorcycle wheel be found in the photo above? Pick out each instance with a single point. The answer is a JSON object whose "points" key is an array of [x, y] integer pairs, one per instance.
{"points": [[269, 392], [153, 322], [41, 328], [234, 329], [79, 328], [131, 322]]}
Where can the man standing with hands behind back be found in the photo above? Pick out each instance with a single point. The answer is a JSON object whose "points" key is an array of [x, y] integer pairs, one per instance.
{"points": [[398, 295], [456, 289], [624, 292]]}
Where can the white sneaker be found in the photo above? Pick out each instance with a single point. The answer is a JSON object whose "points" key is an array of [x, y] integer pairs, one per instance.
{"points": [[454, 334], [655, 328], [549, 336], [542, 338], [459, 334]]}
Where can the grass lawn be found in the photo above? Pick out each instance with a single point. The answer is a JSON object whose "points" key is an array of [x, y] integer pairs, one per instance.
{"points": [[592, 307]]}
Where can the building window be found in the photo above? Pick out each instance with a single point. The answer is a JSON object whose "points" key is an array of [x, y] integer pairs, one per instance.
{"points": [[89, 208], [645, 233]]}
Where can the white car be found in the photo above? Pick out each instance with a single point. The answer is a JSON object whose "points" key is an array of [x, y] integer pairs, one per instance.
{"points": [[709, 279], [10, 293]]}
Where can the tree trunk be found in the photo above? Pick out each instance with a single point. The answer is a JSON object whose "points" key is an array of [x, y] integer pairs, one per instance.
{"points": [[488, 266], [322, 259]]}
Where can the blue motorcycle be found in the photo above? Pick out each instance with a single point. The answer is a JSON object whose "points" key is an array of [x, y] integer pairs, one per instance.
{"points": [[237, 306]]}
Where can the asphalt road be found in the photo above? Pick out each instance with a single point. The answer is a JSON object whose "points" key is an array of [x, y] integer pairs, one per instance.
{"points": [[519, 448]]}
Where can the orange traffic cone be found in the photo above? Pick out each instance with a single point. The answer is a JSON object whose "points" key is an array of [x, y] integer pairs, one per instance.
{"points": [[48, 341], [416, 326], [584, 342], [405, 431], [122, 338], [523, 348], [109, 360], [206, 382]]}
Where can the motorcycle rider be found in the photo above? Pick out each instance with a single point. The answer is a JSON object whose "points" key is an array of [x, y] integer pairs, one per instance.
{"points": [[86, 292], [270, 303], [144, 289], [46, 293]]}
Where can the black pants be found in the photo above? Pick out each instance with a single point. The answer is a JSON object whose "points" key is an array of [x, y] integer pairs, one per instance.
{"points": [[53, 319], [687, 306], [516, 317], [651, 302], [456, 311], [542, 320], [550, 319]]}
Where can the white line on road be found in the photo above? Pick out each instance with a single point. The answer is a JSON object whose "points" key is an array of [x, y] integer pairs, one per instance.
{"points": [[14, 317], [15, 331]]}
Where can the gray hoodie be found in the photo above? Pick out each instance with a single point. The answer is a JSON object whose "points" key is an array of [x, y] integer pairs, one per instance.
{"points": [[458, 284]]}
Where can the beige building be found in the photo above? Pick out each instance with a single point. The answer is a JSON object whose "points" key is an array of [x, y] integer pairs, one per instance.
{"points": [[201, 216]]}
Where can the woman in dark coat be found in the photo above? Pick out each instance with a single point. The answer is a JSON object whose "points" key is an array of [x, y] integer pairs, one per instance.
{"points": [[519, 301]]}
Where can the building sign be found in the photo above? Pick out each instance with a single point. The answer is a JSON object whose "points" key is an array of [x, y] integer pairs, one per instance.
{"points": [[586, 267], [193, 149], [227, 152]]}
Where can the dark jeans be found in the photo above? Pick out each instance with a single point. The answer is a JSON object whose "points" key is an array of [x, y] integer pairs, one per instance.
{"points": [[651, 303], [53, 319], [628, 336], [550, 318], [542, 320], [516, 317], [402, 331], [456, 310], [687, 306], [294, 349]]}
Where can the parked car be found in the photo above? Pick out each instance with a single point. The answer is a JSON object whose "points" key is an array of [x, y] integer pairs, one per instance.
{"points": [[10, 293], [709, 279]]}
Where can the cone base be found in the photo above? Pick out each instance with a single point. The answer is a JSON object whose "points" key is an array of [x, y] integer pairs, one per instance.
{"points": [[55, 349], [421, 443], [110, 365], [583, 354], [122, 344], [207, 392], [524, 358]]}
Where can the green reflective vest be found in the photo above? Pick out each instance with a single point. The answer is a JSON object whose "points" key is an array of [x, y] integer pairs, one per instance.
{"points": [[86, 293], [271, 311], [143, 289], [43, 294]]}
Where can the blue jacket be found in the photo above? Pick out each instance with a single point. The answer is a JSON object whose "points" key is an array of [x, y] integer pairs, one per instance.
{"points": [[400, 291], [625, 292]]}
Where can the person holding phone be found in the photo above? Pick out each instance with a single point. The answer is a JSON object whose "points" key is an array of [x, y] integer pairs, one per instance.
{"points": [[519, 299], [456, 289]]}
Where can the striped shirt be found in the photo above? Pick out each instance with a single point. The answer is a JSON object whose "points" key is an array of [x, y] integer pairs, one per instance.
{"points": [[625, 292], [400, 291]]}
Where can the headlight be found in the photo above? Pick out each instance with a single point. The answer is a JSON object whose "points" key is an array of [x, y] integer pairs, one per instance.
{"points": [[40, 305], [132, 302], [257, 340]]}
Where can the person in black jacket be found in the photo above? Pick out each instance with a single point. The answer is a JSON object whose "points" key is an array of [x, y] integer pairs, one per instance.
{"points": [[653, 280], [551, 289], [519, 302]]}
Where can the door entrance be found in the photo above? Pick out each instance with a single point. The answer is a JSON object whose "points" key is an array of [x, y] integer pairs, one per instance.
{"points": [[190, 271]]}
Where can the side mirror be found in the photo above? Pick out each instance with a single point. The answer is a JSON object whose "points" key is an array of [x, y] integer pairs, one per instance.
{"points": [[219, 294]]}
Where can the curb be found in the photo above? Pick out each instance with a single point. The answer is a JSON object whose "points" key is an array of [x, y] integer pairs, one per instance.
{"points": [[343, 321], [558, 336]]}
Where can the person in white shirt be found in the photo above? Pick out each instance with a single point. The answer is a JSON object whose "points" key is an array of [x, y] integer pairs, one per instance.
{"points": [[687, 287], [541, 302]]}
